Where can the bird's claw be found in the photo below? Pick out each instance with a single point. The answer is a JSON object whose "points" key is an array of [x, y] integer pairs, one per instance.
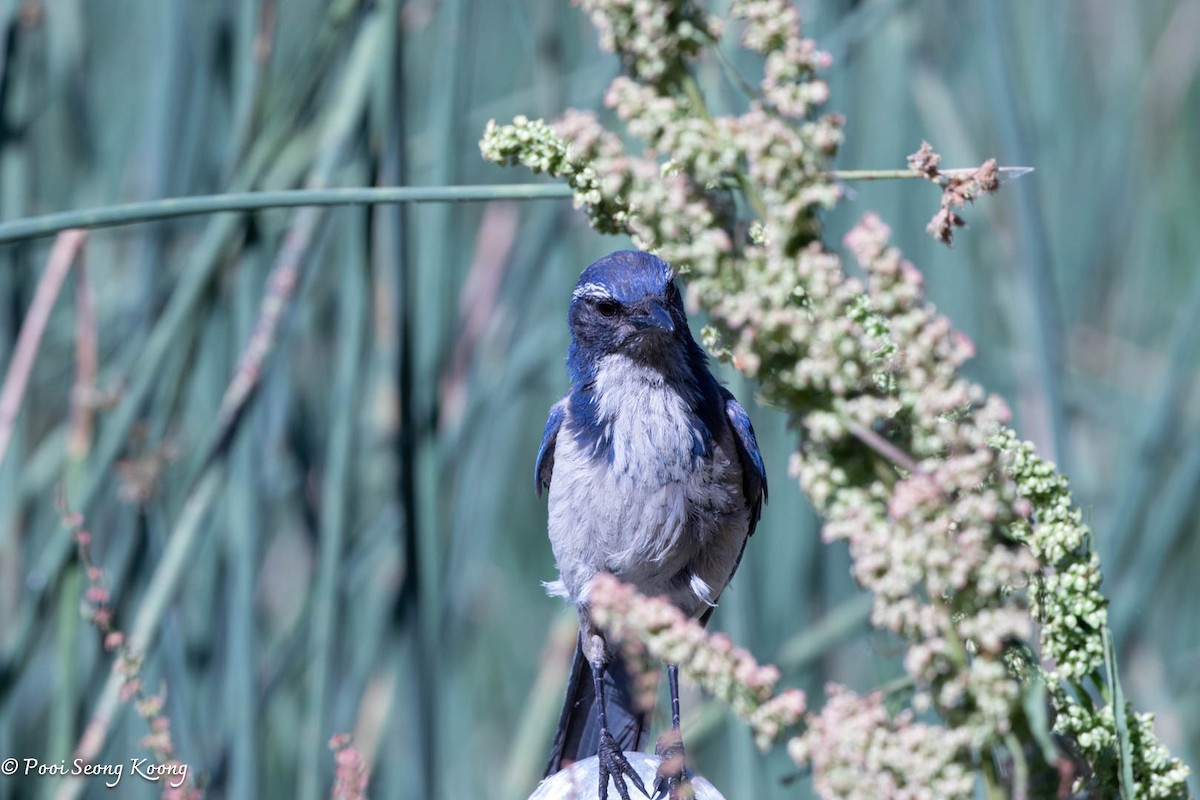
{"points": [[672, 782], [613, 763]]}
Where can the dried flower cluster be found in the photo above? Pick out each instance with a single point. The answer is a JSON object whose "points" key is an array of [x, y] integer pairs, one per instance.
{"points": [[727, 672], [127, 663], [953, 530], [958, 189], [351, 778]]}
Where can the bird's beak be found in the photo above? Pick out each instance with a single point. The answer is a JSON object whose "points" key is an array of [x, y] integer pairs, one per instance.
{"points": [[655, 318]]}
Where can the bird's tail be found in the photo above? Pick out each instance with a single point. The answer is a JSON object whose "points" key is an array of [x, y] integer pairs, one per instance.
{"points": [[578, 735]]}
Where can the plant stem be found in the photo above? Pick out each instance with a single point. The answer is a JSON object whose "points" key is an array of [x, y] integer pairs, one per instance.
{"points": [[66, 248], [901, 683], [172, 207], [696, 98], [1020, 787], [692, 90], [1007, 173], [1120, 721], [884, 448], [991, 782]]}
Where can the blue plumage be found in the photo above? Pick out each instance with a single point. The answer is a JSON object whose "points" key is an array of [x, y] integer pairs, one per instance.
{"points": [[545, 457], [752, 464], [653, 470]]}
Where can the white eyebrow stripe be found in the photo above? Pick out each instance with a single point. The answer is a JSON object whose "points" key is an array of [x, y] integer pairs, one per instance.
{"points": [[593, 291]]}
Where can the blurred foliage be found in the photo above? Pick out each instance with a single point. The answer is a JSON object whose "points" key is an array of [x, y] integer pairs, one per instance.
{"points": [[370, 558]]}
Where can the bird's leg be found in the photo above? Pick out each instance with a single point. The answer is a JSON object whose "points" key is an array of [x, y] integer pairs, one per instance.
{"points": [[672, 782], [673, 683], [612, 760]]}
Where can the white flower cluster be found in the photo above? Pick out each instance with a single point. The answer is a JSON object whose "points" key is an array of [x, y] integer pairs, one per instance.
{"points": [[653, 38], [537, 146], [1072, 613], [727, 672], [790, 84], [1067, 603], [1156, 774], [859, 752]]}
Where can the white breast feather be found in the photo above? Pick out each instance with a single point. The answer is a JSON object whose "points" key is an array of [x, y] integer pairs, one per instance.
{"points": [[656, 514]]}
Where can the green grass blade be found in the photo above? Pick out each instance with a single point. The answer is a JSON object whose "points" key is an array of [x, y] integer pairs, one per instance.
{"points": [[1121, 720]]}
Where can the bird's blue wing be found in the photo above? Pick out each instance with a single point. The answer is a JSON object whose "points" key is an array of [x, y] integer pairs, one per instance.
{"points": [[754, 474], [545, 457]]}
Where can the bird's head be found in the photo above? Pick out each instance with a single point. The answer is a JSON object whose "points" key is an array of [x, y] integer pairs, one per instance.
{"points": [[628, 303]]}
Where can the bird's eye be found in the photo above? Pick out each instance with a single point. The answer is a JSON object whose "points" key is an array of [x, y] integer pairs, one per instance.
{"points": [[607, 308]]}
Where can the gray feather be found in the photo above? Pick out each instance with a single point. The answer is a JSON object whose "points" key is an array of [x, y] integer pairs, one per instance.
{"points": [[655, 513]]}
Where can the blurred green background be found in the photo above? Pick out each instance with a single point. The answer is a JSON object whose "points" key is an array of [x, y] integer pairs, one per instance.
{"points": [[371, 560]]}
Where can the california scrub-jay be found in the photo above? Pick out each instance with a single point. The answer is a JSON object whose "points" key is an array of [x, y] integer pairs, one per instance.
{"points": [[654, 476]]}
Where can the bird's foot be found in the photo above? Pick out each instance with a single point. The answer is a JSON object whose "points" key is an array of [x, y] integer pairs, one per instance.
{"points": [[613, 763], [672, 782]]}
